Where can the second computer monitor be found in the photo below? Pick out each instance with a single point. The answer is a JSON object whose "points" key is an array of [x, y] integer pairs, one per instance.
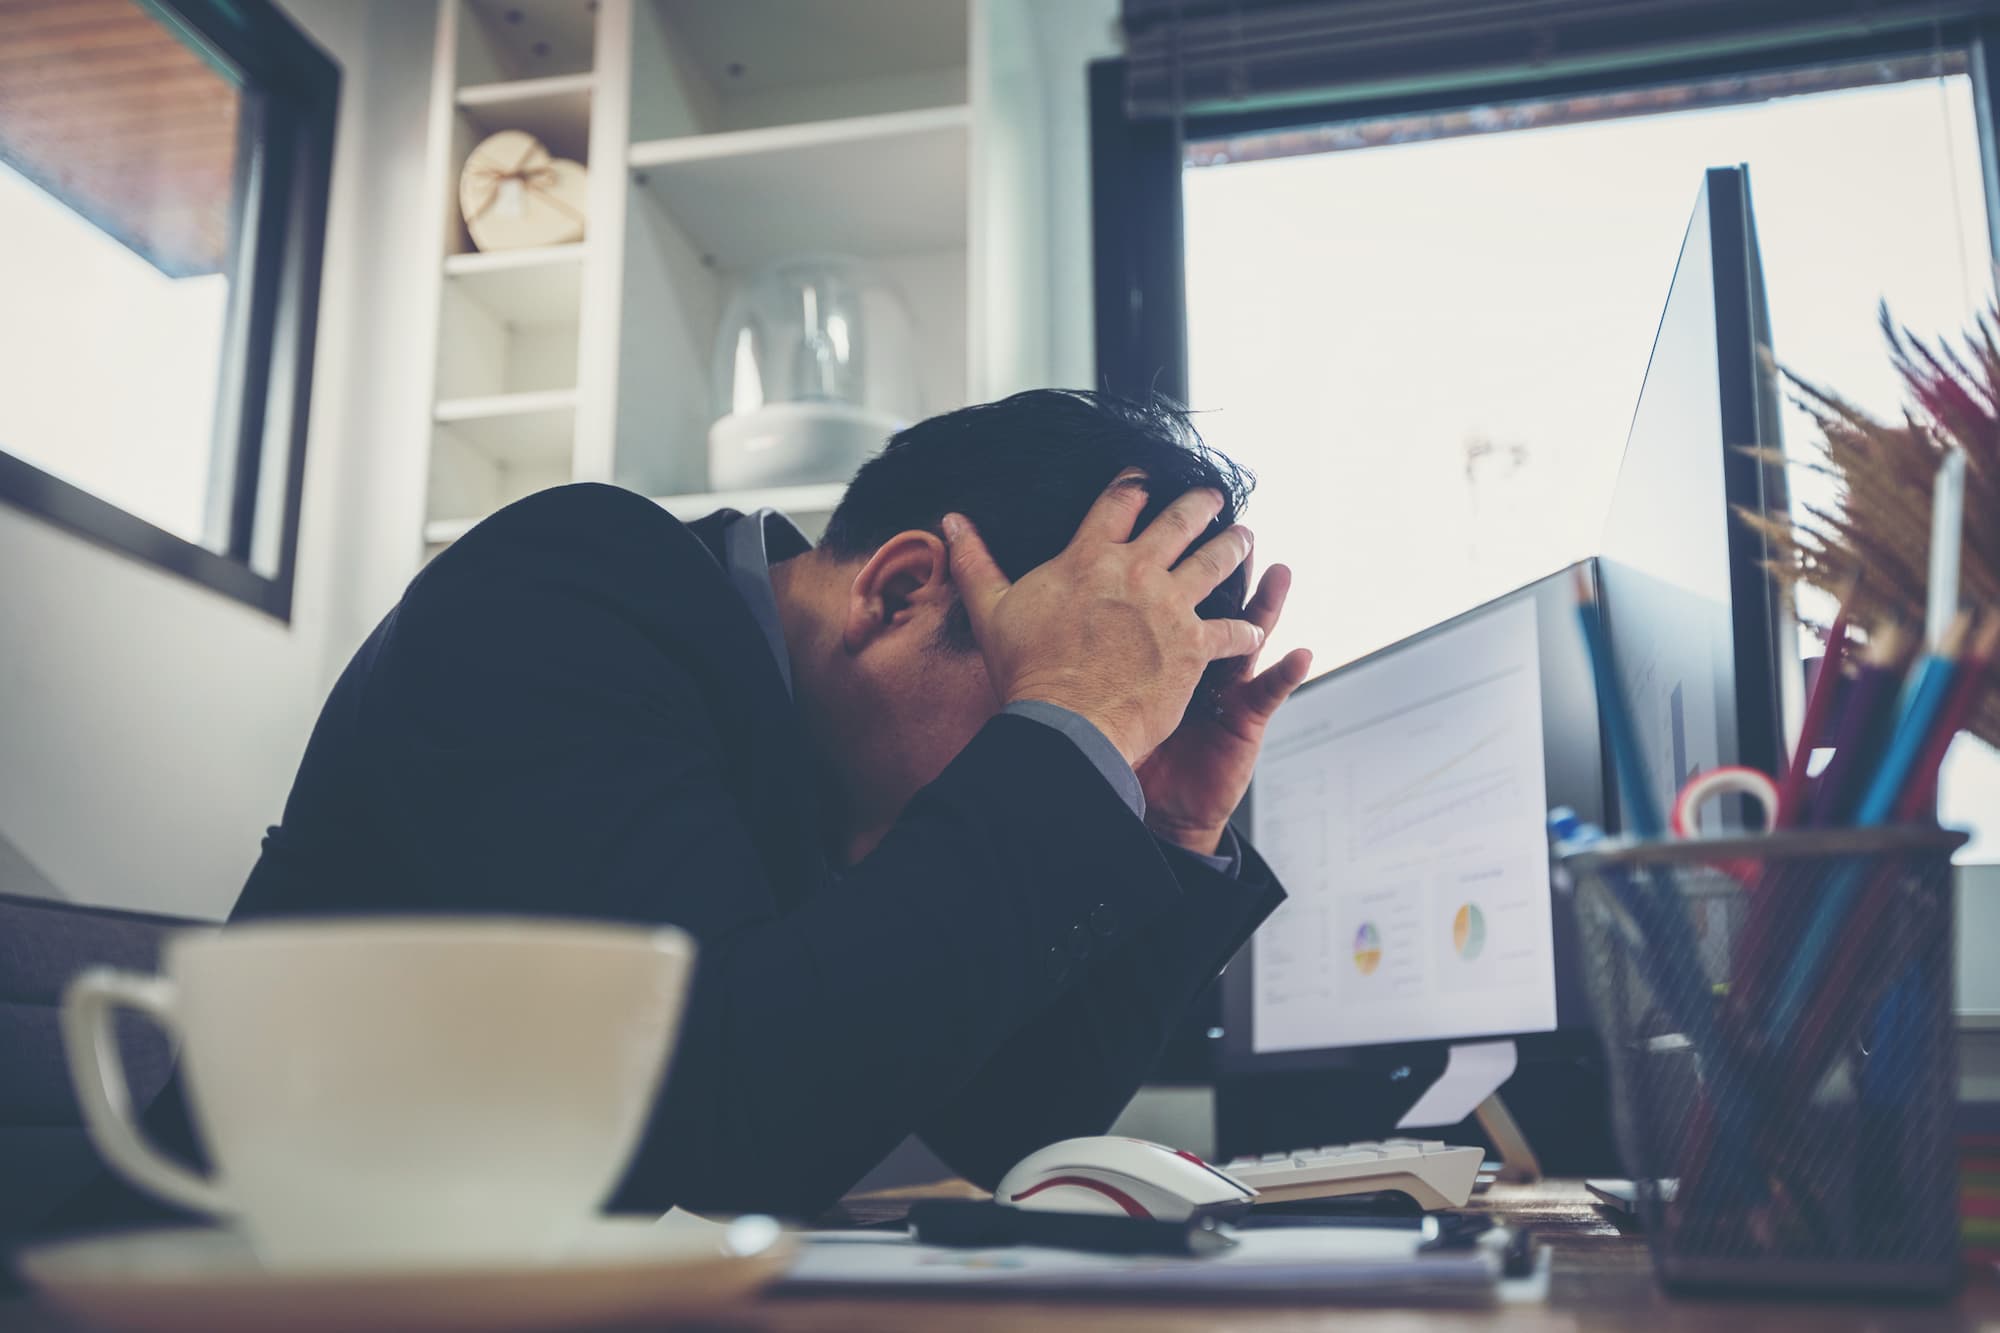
{"points": [[1703, 636], [1401, 800]]}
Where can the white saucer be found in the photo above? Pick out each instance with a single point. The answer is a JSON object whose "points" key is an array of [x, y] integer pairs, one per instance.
{"points": [[203, 1280]]}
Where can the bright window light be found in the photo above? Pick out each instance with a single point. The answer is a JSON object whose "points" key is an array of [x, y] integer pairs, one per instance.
{"points": [[1429, 351], [111, 365]]}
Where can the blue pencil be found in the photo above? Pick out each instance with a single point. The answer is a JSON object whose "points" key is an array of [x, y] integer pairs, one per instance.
{"points": [[1617, 718], [1655, 905], [1667, 955], [1927, 695], [1933, 687], [1867, 722]]}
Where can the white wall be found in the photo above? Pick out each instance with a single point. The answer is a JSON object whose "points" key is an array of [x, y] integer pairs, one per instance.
{"points": [[390, 274], [149, 728]]}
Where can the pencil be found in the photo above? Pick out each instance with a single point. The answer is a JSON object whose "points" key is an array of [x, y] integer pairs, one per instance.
{"points": [[1975, 677], [1865, 724], [1617, 716], [1655, 905], [1947, 541], [1792, 790], [1772, 916], [1938, 671], [1884, 787]]}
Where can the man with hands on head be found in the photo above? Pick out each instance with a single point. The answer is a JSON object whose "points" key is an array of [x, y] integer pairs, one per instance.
{"points": [[1108, 631], [944, 800]]}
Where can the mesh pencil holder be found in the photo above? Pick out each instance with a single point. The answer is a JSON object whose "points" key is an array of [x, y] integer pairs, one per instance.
{"points": [[1778, 1015]]}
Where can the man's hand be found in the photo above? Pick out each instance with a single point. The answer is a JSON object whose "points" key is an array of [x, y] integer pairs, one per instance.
{"points": [[1199, 774], [1108, 628]]}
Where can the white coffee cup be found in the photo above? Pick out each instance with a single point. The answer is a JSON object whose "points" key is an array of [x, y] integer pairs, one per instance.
{"points": [[394, 1091]]}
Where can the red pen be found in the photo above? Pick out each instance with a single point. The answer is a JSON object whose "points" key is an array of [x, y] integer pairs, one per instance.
{"points": [[1776, 912], [1792, 789]]}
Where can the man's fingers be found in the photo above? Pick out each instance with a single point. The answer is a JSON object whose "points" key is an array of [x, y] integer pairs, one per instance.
{"points": [[1264, 608], [1264, 693], [1269, 602], [1230, 638], [1205, 569], [1111, 518], [1178, 526], [978, 579]]}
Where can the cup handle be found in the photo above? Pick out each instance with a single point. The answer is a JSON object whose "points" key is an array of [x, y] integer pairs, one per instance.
{"points": [[99, 1074]]}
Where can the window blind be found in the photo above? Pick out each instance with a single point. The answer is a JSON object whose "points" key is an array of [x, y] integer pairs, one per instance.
{"points": [[104, 107], [1195, 57]]}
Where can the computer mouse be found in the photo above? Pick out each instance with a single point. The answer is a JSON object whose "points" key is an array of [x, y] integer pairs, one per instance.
{"points": [[1120, 1175]]}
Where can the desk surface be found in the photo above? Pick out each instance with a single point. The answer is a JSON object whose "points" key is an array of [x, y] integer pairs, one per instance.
{"points": [[1602, 1279]]}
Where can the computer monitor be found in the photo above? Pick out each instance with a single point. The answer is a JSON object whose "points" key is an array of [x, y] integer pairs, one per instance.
{"points": [[1703, 636], [1401, 800], [1420, 911]]}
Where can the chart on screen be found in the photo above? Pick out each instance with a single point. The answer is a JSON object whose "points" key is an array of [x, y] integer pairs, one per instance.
{"points": [[1400, 802], [1468, 931], [1367, 948]]}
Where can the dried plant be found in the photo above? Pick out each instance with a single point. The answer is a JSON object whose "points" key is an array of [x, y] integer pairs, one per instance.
{"points": [[1876, 533]]}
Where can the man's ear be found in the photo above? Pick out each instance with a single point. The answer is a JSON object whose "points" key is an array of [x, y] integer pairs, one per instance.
{"points": [[907, 579]]}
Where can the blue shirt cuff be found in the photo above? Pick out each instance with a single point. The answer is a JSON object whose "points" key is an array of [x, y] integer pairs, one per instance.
{"points": [[1228, 856], [1104, 756], [1096, 747]]}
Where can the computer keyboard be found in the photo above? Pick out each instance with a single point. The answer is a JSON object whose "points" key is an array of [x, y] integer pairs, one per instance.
{"points": [[1434, 1173]]}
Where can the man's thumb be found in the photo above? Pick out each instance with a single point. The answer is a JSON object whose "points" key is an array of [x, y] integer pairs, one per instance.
{"points": [[977, 577]]}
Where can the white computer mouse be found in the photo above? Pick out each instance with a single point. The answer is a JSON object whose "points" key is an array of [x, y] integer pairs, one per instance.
{"points": [[1120, 1175]]}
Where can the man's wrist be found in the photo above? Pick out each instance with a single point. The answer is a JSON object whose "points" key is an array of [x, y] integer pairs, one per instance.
{"points": [[1201, 839], [1096, 747], [1106, 726]]}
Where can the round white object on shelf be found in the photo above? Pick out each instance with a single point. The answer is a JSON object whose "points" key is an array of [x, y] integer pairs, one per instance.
{"points": [[815, 368], [514, 195], [794, 444]]}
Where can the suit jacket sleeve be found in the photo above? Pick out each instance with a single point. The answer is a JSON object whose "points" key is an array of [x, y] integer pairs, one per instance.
{"points": [[541, 751], [1073, 1069]]}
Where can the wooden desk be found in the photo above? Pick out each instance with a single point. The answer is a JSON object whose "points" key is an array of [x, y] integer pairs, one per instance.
{"points": [[1602, 1280]]}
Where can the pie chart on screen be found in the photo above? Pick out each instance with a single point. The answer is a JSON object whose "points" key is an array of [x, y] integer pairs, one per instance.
{"points": [[1468, 931], [1367, 948]]}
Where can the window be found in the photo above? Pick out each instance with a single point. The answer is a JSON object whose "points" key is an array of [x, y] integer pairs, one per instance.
{"points": [[1425, 324], [1427, 333], [163, 176]]}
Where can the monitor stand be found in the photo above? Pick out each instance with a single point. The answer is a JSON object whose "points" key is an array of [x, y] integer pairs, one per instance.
{"points": [[1518, 1164]]}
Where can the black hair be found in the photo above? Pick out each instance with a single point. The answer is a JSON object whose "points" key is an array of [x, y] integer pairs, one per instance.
{"points": [[1026, 470]]}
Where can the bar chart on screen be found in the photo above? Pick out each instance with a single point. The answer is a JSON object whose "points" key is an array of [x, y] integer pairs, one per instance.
{"points": [[1403, 812]]}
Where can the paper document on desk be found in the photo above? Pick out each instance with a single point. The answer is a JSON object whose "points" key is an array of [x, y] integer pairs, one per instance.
{"points": [[1354, 1264]]}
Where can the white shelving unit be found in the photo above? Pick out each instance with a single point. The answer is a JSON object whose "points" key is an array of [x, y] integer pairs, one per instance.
{"points": [[515, 427], [871, 186], [555, 110], [510, 324], [811, 501], [809, 505], [520, 287], [720, 135]]}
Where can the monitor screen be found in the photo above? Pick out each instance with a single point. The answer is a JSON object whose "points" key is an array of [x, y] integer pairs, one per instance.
{"points": [[1402, 802]]}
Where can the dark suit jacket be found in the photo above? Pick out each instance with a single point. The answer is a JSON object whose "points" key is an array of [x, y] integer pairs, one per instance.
{"points": [[572, 712]]}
